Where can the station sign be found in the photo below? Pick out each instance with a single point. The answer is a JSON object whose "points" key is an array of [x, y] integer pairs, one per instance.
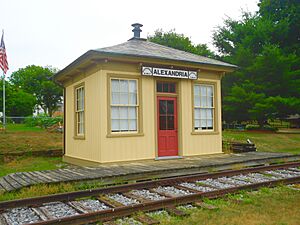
{"points": [[171, 73]]}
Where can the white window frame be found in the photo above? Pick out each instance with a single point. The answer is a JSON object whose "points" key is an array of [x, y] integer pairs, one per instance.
{"points": [[79, 111], [119, 105], [212, 108]]}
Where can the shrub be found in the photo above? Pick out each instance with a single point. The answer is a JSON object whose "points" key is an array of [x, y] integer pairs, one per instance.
{"points": [[257, 127], [42, 121]]}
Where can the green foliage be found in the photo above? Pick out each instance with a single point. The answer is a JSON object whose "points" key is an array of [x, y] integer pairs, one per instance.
{"points": [[18, 102], [266, 46], [181, 42], [43, 121], [257, 127], [36, 80]]}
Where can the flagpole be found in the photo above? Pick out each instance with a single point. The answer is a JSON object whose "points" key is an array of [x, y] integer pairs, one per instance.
{"points": [[4, 117]]}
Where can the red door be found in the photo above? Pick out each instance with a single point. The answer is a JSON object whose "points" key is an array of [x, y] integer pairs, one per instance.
{"points": [[167, 134]]}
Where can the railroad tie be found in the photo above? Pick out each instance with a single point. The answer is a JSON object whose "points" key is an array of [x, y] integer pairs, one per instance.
{"points": [[205, 205], [176, 212], [109, 223], [147, 219]]}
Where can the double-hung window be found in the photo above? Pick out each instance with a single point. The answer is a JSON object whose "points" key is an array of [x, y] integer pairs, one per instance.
{"points": [[204, 110], [79, 111], [124, 105]]}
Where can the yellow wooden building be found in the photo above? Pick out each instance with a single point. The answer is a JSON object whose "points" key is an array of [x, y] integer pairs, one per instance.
{"points": [[140, 100]]}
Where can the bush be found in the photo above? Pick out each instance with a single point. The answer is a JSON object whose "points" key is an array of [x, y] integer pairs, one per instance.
{"points": [[42, 121], [257, 127]]}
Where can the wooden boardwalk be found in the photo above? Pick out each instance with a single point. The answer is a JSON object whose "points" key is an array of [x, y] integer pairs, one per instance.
{"points": [[142, 170]]}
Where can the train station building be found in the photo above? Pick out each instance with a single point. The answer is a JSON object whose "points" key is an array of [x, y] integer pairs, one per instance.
{"points": [[140, 100]]}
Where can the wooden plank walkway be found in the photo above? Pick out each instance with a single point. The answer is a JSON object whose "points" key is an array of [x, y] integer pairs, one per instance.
{"points": [[142, 169]]}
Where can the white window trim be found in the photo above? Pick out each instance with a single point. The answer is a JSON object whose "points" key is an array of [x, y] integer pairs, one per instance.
{"points": [[137, 105], [201, 107], [79, 111]]}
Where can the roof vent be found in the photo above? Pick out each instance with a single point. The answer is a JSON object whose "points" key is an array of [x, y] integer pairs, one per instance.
{"points": [[137, 30]]}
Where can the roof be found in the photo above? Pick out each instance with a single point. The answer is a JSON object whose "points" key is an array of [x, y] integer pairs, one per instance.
{"points": [[139, 47], [144, 48]]}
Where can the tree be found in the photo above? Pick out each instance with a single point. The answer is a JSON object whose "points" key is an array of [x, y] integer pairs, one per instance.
{"points": [[268, 59], [36, 80], [181, 42], [18, 102]]}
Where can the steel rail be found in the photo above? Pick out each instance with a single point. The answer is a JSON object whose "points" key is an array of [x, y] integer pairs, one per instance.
{"points": [[140, 185], [107, 215]]}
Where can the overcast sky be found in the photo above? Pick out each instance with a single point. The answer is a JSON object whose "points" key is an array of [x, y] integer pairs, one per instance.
{"points": [[56, 32]]}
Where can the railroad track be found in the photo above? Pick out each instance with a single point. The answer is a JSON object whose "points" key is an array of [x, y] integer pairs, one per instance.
{"points": [[109, 203]]}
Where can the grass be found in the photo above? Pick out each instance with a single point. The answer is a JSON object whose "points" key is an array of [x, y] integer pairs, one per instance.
{"points": [[20, 138], [28, 163], [278, 205], [267, 142], [48, 189]]}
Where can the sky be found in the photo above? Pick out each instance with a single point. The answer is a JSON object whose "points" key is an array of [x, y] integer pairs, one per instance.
{"points": [[56, 32]]}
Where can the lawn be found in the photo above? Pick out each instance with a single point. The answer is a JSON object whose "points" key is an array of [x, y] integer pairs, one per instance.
{"points": [[20, 138], [28, 163], [267, 142], [278, 205]]}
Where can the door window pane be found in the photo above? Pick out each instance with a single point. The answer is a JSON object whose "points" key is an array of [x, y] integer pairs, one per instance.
{"points": [[166, 87], [172, 88], [162, 122], [159, 87], [170, 123], [170, 107], [162, 107]]}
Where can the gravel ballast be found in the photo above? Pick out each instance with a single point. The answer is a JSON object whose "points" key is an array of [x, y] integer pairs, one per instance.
{"points": [[197, 187], [169, 190], [93, 205], [18, 216], [123, 199], [148, 195], [59, 209]]}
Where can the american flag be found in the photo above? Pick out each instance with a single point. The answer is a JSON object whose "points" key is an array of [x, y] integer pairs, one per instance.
{"points": [[3, 57]]}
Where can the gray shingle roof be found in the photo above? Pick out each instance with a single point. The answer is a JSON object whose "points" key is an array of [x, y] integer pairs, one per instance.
{"points": [[141, 47]]}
